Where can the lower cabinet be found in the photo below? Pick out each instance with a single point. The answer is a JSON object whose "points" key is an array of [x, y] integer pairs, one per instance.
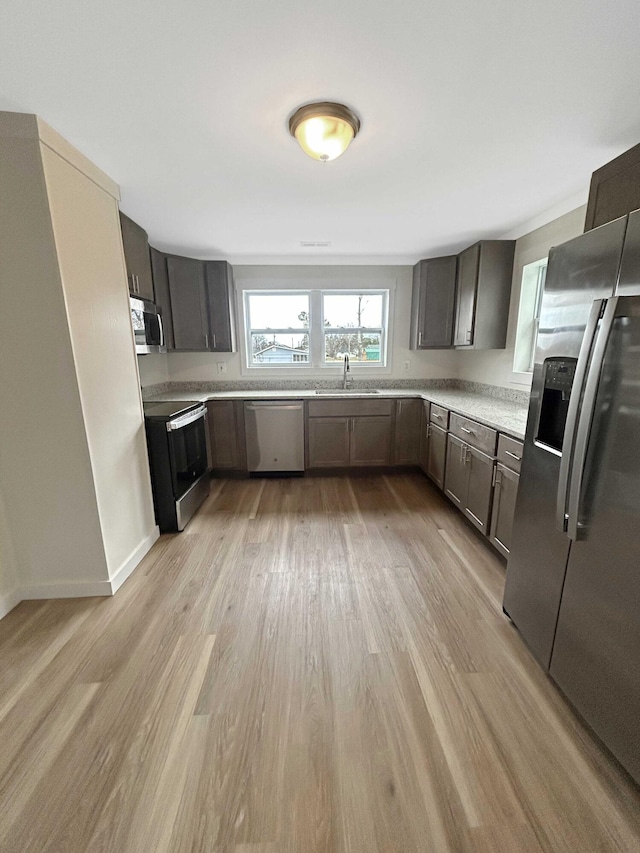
{"points": [[505, 492], [226, 435], [423, 452], [436, 454], [469, 481], [348, 433], [407, 439]]}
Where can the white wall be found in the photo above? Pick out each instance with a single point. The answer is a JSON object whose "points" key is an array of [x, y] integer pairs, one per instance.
{"points": [[495, 367], [422, 365], [153, 369], [87, 233], [9, 595]]}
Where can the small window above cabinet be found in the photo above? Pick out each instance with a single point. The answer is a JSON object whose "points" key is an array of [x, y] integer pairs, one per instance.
{"points": [[483, 293], [433, 303], [136, 255]]}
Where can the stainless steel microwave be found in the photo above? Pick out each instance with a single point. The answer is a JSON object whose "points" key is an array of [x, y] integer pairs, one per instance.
{"points": [[147, 326]]}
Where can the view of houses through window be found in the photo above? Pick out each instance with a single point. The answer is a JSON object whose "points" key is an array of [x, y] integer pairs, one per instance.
{"points": [[315, 327]]}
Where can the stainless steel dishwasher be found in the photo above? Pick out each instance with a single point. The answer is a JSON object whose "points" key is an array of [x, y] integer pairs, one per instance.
{"points": [[275, 435]]}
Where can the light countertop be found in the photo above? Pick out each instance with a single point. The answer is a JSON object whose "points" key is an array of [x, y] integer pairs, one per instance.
{"points": [[502, 415]]}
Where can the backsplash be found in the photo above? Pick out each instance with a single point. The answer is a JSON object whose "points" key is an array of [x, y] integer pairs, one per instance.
{"points": [[500, 393]]}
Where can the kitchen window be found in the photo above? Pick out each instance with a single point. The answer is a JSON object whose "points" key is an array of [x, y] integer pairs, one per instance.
{"points": [[316, 328], [533, 278]]}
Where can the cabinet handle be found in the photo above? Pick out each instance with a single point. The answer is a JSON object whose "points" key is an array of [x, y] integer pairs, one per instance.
{"points": [[428, 430], [463, 459], [206, 341], [468, 336], [419, 339], [493, 478], [513, 455], [137, 284], [467, 455], [213, 346], [468, 431]]}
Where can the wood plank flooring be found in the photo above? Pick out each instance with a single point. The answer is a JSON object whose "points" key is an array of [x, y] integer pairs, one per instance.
{"points": [[316, 664]]}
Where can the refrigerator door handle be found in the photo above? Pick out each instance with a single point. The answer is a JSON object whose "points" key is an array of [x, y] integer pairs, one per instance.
{"points": [[572, 415], [586, 417]]}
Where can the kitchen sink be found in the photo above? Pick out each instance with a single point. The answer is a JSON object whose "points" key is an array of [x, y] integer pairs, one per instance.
{"points": [[334, 391]]}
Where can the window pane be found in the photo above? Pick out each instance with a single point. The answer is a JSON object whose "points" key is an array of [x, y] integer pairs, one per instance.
{"points": [[279, 310], [353, 309], [280, 349], [359, 346]]}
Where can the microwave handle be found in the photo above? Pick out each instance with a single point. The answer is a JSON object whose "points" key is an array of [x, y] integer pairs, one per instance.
{"points": [[161, 328]]}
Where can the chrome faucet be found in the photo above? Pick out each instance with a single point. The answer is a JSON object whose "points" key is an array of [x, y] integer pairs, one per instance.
{"points": [[345, 373]]}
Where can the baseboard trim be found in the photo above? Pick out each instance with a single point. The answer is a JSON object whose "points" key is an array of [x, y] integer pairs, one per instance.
{"points": [[134, 560], [8, 601], [80, 589]]}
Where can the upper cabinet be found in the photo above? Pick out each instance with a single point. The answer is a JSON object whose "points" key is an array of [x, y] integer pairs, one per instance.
{"points": [[433, 303], [614, 190], [483, 291], [221, 302], [136, 254], [197, 299]]}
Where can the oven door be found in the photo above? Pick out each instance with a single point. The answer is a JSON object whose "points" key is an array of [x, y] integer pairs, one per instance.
{"points": [[147, 326], [187, 450]]}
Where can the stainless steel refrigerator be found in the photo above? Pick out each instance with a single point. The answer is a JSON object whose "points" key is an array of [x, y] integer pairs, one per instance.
{"points": [[573, 576]]}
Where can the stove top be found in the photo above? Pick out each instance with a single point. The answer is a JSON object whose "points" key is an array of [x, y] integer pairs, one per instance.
{"points": [[167, 410]]}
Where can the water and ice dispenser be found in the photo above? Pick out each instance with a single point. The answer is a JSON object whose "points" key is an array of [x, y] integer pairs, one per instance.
{"points": [[558, 380]]}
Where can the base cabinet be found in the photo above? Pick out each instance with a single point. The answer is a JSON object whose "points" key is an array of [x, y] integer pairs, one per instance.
{"points": [[468, 481], [423, 453], [344, 442], [227, 435], [407, 440], [505, 492], [370, 440], [436, 454], [329, 442]]}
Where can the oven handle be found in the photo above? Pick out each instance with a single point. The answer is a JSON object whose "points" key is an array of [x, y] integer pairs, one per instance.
{"points": [[185, 420]]}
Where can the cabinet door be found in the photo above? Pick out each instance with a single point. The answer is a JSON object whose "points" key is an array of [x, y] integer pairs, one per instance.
{"points": [[433, 303], [407, 444], [221, 301], [467, 279], [456, 480], [136, 254], [424, 437], [371, 440], [329, 442], [437, 454], [226, 434], [505, 491], [188, 304], [614, 190], [161, 290], [478, 504]]}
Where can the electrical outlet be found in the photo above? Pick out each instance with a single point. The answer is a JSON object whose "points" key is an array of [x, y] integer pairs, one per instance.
{"points": [[221, 366], [407, 366]]}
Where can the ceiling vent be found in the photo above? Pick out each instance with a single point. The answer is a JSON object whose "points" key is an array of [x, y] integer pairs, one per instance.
{"points": [[310, 244]]}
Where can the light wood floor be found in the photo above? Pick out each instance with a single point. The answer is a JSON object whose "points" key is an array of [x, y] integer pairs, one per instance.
{"points": [[315, 665]]}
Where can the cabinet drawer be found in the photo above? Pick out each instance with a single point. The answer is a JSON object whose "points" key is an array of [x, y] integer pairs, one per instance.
{"points": [[439, 416], [473, 433], [510, 452], [350, 408]]}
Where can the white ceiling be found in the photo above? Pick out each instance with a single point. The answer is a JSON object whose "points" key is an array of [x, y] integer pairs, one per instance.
{"points": [[476, 116]]}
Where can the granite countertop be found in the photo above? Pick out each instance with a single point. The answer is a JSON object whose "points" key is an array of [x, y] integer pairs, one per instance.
{"points": [[503, 415]]}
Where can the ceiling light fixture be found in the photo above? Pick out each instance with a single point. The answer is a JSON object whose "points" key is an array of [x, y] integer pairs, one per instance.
{"points": [[324, 129]]}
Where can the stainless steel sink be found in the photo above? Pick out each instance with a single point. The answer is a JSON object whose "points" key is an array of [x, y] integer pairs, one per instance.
{"points": [[339, 391]]}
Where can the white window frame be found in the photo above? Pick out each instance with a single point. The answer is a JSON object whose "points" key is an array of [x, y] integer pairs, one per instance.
{"points": [[250, 330], [316, 330], [531, 290]]}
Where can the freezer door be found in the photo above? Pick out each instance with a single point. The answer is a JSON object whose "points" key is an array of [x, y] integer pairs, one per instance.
{"points": [[580, 271], [596, 653]]}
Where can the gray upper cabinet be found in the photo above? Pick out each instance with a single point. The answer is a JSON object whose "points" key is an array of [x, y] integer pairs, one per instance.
{"points": [[483, 293], [433, 303], [136, 254], [189, 311], [221, 299], [614, 190], [197, 299]]}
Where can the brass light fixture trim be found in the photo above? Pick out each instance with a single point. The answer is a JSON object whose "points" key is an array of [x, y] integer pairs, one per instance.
{"points": [[324, 129]]}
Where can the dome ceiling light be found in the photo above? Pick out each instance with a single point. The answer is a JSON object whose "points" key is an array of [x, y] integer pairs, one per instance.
{"points": [[324, 129]]}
